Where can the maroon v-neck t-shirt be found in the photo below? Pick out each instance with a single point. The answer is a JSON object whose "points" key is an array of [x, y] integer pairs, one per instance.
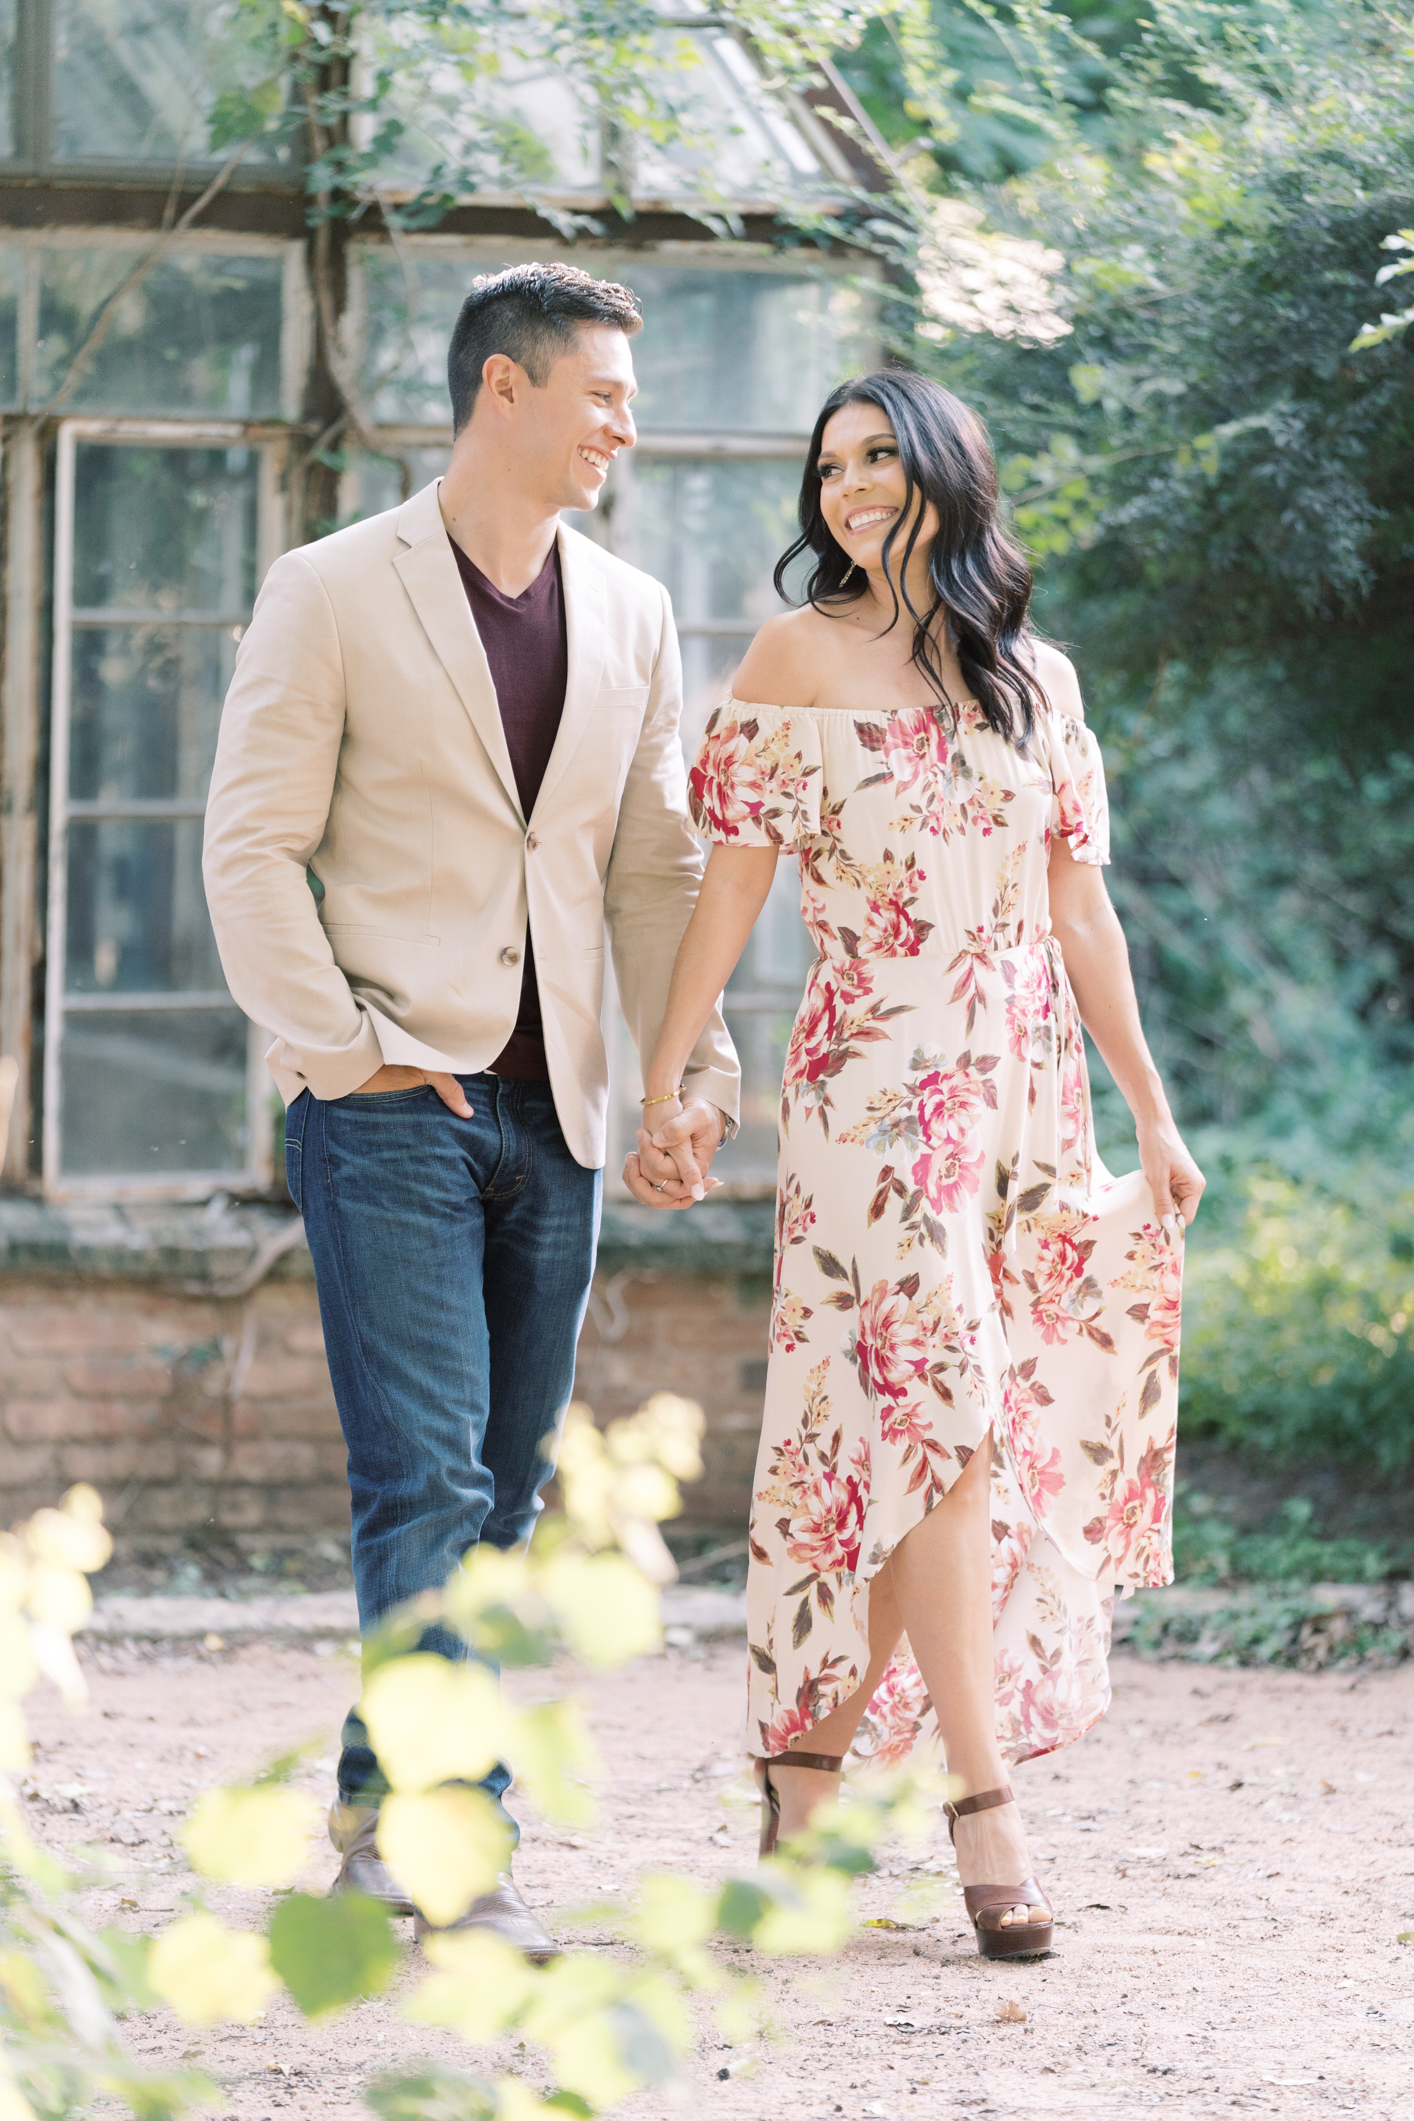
{"points": [[527, 648]]}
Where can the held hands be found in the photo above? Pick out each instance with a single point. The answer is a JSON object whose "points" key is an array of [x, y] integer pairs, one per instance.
{"points": [[669, 1168], [1174, 1179]]}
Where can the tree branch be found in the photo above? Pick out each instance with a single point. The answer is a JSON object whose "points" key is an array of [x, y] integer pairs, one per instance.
{"points": [[98, 330]]}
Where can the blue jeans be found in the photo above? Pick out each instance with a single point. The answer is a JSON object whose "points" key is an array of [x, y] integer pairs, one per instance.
{"points": [[453, 1259]]}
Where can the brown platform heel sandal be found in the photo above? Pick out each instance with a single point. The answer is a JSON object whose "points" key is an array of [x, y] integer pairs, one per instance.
{"points": [[986, 1904], [828, 1764]]}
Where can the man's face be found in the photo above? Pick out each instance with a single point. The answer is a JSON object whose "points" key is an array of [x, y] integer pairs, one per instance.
{"points": [[577, 424]]}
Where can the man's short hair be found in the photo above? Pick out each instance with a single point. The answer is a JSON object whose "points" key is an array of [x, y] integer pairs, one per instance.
{"points": [[530, 314]]}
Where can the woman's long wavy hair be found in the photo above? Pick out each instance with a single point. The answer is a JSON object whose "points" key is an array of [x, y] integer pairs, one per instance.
{"points": [[979, 579]]}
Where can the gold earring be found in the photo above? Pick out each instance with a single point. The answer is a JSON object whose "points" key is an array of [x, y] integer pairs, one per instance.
{"points": [[847, 573]]}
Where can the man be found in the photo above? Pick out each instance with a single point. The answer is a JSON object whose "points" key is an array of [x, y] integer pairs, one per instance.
{"points": [[448, 758]]}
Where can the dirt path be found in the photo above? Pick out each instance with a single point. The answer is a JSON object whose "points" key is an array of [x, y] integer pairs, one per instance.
{"points": [[1231, 1853]]}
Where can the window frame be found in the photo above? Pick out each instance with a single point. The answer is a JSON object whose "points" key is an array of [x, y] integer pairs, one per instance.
{"points": [[296, 304], [258, 1172], [32, 123]]}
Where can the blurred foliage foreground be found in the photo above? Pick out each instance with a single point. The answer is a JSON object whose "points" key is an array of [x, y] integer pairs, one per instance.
{"points": [[599, 2027]]}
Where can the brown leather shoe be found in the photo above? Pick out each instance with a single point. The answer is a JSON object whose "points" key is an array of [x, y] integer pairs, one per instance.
{"points": [[353, 1829], [506, 1916]]}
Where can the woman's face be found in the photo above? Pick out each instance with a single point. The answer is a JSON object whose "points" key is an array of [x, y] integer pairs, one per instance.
{"points": [[862, 488]]}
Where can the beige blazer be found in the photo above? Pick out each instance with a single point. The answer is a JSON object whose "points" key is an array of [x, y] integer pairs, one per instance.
{"points": [[361, 741]]}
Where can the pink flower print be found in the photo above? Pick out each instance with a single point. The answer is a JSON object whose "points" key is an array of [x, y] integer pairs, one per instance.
{"points": [[1052, 1709], [949, 1103], [1166, 1304], [795, 1215], [1029, 1005], [725, 783], [1041, 1479], [1063, 1291], [947, 1176], [904, 1425], [788, 1318], [784, 1728], [1071, 822], [1072, 1101], [913, 743], [812, 912], [1061, 1262], [828, 1523], [816, 1029], [892, 1345], [890, 930], [894, 1716], [788, 1475], [1011, 1543], [1039, 1473], [1134, 1529]]}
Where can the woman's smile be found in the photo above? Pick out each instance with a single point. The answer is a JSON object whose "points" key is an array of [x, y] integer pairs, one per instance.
{"points": [[861, 519]]}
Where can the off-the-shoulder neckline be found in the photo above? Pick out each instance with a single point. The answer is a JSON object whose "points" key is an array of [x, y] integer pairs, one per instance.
{"points": [[794, 707]]}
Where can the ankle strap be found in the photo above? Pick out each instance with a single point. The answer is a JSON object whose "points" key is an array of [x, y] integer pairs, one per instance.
{"points": [[982, 1802], [828, 1763]]}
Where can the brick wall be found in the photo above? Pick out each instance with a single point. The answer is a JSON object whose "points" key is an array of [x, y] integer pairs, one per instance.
{"points": [[194, 1414], [705, 1338]]}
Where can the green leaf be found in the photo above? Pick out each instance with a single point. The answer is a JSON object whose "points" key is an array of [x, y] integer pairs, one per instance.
{"points": [[435, 2095], [250, 1837], [119, 1959], [330, 1952], [741, 1907]]}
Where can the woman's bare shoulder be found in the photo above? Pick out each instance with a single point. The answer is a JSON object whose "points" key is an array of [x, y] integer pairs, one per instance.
{"points": [[1058, 679], [784, 664]]}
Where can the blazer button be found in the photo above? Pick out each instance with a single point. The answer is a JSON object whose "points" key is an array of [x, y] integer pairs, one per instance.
{"points": [[531, 842], [509, 956]]}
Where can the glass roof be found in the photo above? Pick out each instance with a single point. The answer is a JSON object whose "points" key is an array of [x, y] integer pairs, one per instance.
{"points": [[517, 123], [490, 108]]}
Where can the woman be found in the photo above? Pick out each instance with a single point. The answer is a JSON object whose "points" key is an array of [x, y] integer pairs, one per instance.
{"points": [[969, 1424]]}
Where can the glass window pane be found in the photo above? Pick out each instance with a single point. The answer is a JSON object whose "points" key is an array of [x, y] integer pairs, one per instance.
{"points": [[761, 1041], [407, 329], [137, 919], [740, 352], [710, 531], [754, 352], [136, 80], [200, 334], [11, 277], [151, 1093], [164, 530], [522, 123], [8, 25], [372, 484], [709, 663], [146, 703]]}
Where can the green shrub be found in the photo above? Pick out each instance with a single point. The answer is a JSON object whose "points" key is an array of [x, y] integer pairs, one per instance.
{"points": [[1209, 1548], [1299, 1323]]}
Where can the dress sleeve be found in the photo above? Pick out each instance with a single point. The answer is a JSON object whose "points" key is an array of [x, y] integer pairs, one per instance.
{"points": [[1081, 812], [756, 779]]}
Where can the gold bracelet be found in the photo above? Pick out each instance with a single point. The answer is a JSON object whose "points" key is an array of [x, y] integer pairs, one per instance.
{"points": [[665, 1099]]}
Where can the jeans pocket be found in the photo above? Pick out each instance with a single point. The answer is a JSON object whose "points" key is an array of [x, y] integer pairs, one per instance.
{"points": [[295, 1117], [365, 1098]]}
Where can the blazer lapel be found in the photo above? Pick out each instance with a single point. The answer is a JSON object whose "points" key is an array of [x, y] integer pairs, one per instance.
{"points": [[429, 575], [586, 642]]}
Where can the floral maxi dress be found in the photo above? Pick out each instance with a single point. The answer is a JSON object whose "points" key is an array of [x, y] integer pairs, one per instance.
{"points": [[951, 1255]]}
